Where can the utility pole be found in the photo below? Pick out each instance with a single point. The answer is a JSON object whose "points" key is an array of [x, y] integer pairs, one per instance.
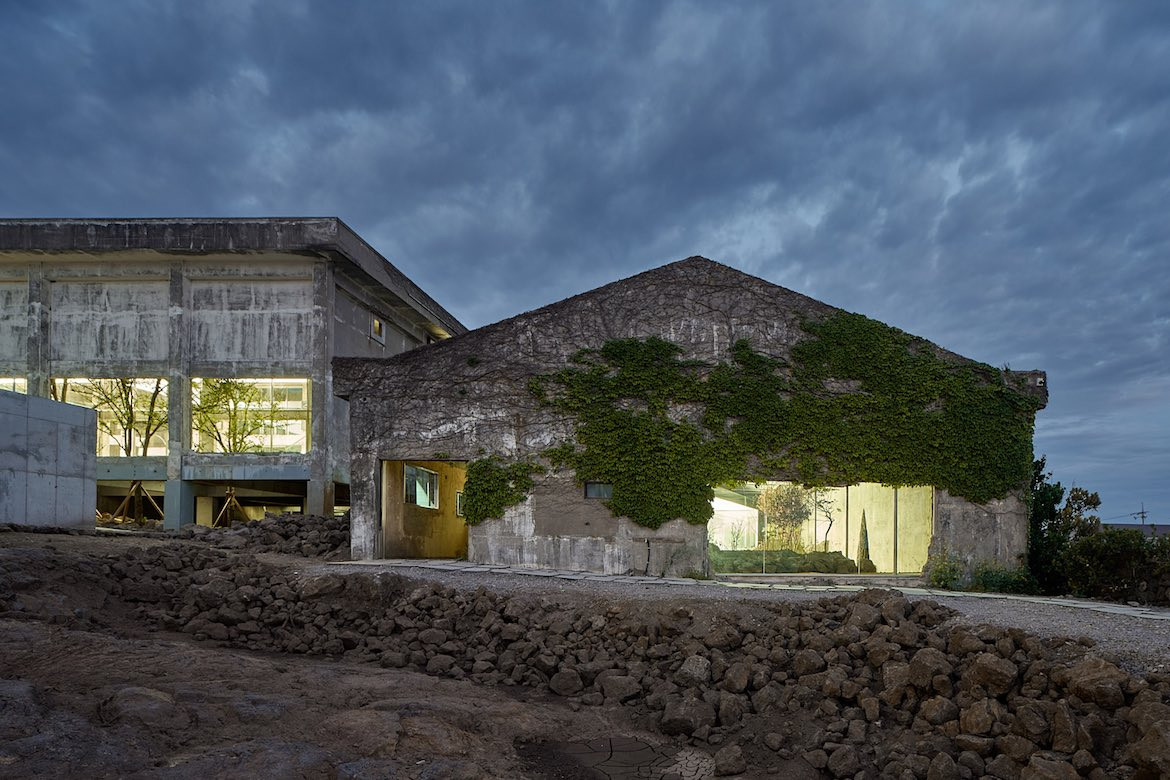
{"points": [[1142, 514]]}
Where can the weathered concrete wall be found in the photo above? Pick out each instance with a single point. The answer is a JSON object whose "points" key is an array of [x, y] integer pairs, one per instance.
{"points": [[183, 298], [109, 322], [524, 537], [47, 462], [13, 326], [469, 397], [560, 528], [352, 334], [265, 321], [993, 532]]}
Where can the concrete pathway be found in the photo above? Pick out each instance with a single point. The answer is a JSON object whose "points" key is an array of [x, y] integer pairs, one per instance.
{"points": [[802, 584]]}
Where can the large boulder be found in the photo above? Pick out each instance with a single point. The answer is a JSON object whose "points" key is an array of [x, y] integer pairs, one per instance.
{"points": [[1097, 680], [686, 716]]}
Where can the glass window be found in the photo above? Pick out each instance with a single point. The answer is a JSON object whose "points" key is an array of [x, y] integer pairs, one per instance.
{"points": [[250, 415], [459, 503], [598, 490], [377, 330], [131, 412], [14, 384], [867, 528], [422, 487]]}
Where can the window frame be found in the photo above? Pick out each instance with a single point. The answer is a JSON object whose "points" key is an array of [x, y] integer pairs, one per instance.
{"points": [[603, 490], [410, 497]]}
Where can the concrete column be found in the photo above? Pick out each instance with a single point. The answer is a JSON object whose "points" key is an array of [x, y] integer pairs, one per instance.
{"points": [[365, 527], [40, 298], [319, 493], [179, 500]]}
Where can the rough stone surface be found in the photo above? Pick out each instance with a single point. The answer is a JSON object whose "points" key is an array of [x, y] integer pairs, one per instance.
{"points": [[729, 760], [840, 714], [695, 671]]}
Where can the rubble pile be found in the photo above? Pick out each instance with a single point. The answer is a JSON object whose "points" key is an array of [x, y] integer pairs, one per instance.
{"points": [[290, 534], [867, 685]]}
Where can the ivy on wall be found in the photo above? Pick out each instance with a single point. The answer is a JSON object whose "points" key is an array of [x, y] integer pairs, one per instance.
{"points": [[859, 401], [493, 485]]}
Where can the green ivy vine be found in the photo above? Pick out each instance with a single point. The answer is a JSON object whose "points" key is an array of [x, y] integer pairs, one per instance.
{"points": [[859, 401], [492, 486]]}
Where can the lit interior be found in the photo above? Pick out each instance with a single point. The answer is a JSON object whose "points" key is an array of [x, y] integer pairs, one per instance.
{"points": [[780, 527], [250, 415], [14, 384], [131, 412]]}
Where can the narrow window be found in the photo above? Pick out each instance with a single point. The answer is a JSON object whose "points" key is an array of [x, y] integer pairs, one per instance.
{"points": [[422, 487], [459, 503], [377, 330], [598, 490]]}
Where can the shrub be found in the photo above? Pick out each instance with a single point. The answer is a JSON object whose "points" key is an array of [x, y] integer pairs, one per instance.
{"points": [[990, 577], [944, 571], [1053, 529], [778, 562], [1111, 563]]}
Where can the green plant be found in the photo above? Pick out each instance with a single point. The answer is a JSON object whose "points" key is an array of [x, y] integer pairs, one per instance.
{"points": [[1053, 529], [858, 402], [991, 577], [944, 571], [228, 414], [1109, 563], [492, 486], [786, 507]]}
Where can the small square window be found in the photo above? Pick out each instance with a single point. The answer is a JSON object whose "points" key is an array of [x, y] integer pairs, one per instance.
{"points": [[598, 490], [422, 487], [459, 503], [377, 330]]}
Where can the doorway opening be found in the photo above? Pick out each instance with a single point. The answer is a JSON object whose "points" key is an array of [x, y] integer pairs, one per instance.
{"points": [[422, 509]]}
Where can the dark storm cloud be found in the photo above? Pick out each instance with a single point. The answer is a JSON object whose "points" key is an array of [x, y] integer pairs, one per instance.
{"points": [[992, 176]]}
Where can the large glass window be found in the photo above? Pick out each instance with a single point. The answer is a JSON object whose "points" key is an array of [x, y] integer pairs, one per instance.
{"points": [[131, 412], [780, 527], [250, 415], [422, 486], [14, 384]]}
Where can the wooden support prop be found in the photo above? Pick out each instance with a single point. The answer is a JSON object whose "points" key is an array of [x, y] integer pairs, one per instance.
{"points": [[230, 505], [136, 489]]}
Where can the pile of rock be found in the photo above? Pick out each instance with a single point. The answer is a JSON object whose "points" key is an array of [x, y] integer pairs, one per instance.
{"points": [[849, 684], [314, 536]]}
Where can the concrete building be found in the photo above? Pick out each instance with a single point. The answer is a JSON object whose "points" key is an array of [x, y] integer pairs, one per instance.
{"points": [[48, 462], [205, 345], [421, 419]]}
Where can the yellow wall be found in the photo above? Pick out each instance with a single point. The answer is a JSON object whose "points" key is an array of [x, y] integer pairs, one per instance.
{"points": [[915, 526], [411, 531], [915, 513]]}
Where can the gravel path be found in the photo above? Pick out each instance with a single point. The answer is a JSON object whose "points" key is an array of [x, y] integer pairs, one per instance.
{"points": [[1140, 644]]}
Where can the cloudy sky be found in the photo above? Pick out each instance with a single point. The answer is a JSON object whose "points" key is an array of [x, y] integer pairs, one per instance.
{"points": [[994, 176]]}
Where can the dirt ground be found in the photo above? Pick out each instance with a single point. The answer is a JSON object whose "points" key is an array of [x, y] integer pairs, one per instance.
{"points": [[90, 689]]}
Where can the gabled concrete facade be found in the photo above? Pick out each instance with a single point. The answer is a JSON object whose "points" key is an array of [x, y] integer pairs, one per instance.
{"points": [[467, 398], [191, 299]]}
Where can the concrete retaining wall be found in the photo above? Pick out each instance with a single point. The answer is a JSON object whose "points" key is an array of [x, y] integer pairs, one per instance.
{"points": [[48, 462]]}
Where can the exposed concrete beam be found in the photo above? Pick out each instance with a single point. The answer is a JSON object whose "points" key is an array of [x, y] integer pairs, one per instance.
{"points": [[302, 235]]}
